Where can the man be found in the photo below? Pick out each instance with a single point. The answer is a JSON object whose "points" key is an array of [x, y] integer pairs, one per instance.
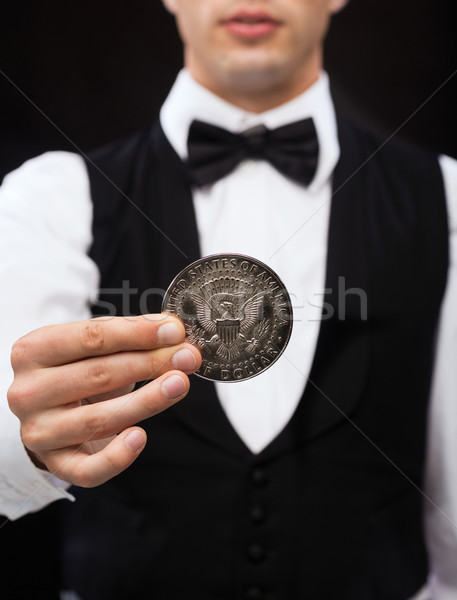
{"points": [[278, 487]]}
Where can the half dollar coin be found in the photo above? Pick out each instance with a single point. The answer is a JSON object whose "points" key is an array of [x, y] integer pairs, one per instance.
{"points": [[236, 310]]}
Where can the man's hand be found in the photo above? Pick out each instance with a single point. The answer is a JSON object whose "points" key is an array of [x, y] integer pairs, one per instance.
{"points": [[72, 391]]}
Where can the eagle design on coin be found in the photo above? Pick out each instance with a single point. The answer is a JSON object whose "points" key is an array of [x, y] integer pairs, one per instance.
{"points": [[228, 319]]}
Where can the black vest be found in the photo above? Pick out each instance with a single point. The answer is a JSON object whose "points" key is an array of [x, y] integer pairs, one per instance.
{"points": [[331, 508]]}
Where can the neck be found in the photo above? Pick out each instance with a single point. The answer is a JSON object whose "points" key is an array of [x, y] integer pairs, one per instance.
{"points": [[253, 94]]}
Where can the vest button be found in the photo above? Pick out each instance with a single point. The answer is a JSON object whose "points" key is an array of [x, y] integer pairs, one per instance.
{"points": [[257, 514], [259, 477], [254, 593], [256, 553]]}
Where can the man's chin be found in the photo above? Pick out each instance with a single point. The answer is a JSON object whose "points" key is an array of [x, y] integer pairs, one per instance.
{"points": [[252, 70]]}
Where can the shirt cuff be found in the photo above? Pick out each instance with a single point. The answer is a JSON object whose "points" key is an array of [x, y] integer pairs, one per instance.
{"points": [[23, 487], [440, 590]]}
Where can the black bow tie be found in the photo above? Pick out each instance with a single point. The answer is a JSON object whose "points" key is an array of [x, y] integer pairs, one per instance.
{"points": [[214, 152]]}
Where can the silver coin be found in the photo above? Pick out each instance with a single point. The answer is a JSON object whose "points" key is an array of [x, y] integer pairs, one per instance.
{"points": [[236, 310]]}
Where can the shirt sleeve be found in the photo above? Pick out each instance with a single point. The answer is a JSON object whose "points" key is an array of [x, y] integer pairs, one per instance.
{"points": [[46, 278], [441, 468]]}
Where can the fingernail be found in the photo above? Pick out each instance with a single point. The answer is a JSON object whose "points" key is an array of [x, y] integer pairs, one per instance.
{"points": [[135, 440], [173, 387], [184, 360], [169, 334]]}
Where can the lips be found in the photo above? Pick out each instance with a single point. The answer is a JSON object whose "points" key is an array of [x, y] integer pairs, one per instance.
{"points": [[246, 24]]}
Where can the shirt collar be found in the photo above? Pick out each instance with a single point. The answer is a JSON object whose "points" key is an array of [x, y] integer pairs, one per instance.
{"points": [[188, 100]]}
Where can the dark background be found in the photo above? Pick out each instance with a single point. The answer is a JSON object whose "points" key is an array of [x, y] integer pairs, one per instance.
{"points": [[99, 70]]}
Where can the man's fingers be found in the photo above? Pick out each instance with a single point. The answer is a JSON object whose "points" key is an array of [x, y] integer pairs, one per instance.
{"points": [[56, 386], [55, 345], [78, 467], [80, 425]]}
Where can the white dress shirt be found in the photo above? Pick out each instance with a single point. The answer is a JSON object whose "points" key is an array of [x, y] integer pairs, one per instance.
{"points": [[45, 232], [235, 215]]}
